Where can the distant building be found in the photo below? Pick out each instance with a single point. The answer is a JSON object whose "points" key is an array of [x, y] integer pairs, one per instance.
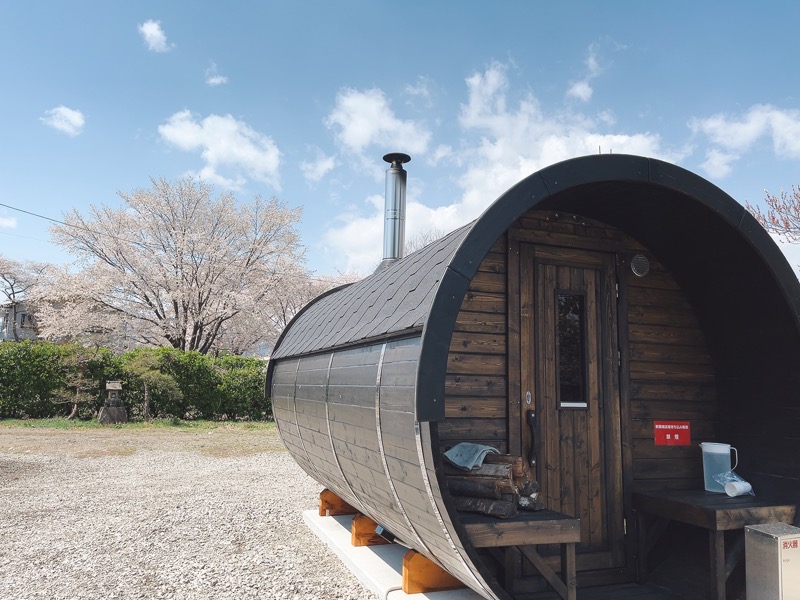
{"points": [[17, 322]]}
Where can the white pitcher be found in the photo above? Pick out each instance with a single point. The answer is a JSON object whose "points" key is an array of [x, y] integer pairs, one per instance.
{"points": [[716, 460]]}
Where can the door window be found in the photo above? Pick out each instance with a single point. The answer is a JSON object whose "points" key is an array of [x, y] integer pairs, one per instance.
{"points": [[571, 350]]}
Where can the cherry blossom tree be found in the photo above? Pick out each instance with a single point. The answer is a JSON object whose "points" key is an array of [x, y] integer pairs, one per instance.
{"points": [[174, 265], [782, 215], [297, 288], [422, 239]]}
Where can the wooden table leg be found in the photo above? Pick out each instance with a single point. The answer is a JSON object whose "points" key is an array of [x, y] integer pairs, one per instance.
{"points": [[641, 542], [568, 574], [716, 547], [565, 585]]}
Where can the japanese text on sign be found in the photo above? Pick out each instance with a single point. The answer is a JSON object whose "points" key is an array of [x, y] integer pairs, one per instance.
{"points": [[672, 433]]}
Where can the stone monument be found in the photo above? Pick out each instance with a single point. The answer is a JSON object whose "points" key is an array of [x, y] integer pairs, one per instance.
{"points": [[113, 411]]}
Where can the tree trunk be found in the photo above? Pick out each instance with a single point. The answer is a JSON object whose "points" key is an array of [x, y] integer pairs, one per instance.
{"points": [[74, 412], [146, 407]]}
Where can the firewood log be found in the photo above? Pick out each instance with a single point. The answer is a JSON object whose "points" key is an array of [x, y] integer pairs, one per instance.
{"points": [[530, 503], [506, 486], [486, 506], [529, 488], [485, 470], [465, 486], [519, 467]]}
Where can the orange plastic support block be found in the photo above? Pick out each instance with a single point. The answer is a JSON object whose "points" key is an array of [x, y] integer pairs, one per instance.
{"points": [[421, 575], [331, 505], [362, 532]]}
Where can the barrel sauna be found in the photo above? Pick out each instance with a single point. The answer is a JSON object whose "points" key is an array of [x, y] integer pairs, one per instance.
{"points": [[602, 294]]}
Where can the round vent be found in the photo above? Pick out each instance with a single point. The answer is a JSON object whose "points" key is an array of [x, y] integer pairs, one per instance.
{"points": [[640, 265]]}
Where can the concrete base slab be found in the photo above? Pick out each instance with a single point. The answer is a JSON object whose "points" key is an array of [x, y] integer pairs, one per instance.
{"points": [[378, 568]]}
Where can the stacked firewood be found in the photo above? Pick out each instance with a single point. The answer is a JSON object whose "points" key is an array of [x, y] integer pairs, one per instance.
{"points": [[500, 487]]}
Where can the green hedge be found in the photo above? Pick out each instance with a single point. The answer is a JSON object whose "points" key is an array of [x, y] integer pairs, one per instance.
{"points": [[41, 379], [30, 376]]}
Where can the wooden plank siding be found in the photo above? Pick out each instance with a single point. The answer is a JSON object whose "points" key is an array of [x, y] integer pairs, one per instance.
{"points": [[671, 377], [666, 371], [476, 384]]}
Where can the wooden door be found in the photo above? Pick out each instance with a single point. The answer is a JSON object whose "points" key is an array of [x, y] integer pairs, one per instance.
{"points": [[570, 413]]}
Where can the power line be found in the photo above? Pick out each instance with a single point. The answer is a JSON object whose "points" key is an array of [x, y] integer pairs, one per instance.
{"points": [[33, 214], [92, 231], [46, 218]]}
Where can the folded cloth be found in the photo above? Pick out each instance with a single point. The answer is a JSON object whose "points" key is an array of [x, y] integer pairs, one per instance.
{"points": [[467, 456]]}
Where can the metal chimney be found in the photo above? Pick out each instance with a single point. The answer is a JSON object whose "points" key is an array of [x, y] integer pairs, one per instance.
{"points": [[394, 225]]}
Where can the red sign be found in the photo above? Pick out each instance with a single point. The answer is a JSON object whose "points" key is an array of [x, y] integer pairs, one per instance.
{"points": [[672, 433]]}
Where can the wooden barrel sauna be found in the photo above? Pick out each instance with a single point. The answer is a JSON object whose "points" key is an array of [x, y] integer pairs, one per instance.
{"points": [[592, 300]]}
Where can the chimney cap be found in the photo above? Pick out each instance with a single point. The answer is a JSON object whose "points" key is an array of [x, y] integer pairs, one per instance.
{"points": [[396, 158]]}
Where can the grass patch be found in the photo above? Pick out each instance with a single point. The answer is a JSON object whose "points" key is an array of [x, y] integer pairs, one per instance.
{"points": [[90, 440], [103, 452], [54, 423], [154, 425]]}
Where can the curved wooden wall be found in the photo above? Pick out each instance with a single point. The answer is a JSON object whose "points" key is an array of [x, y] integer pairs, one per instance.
{"points": [[347, 417]]}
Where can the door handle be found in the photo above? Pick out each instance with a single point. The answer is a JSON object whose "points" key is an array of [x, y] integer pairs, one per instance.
{"points": [[530, 417]]}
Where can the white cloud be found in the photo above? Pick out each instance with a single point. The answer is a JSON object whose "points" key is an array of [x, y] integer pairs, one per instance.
{"points": [[231, 149], [421, 89], [66, 120], [440, 153], [515, 142], [316, 169], [503, 141], [359, 237], [362, 119], [213, 77], [606, 117], [786, 133], [718, 164], [419, 94], [582, 89], [732, 136], [8, 223], [592, 64], [154, 36]]}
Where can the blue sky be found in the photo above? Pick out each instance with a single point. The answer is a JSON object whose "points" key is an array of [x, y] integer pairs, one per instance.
{"points": [[300, 100]]}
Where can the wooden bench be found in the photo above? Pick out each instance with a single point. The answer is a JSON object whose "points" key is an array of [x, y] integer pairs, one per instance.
{"points": [[527, 530], [715, 512]]}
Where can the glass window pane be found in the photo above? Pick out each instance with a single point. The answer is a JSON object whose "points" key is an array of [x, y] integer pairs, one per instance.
{"points": [[571, 352]]}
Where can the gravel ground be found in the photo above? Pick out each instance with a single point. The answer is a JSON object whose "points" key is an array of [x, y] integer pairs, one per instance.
{"points": [[127, 513]]}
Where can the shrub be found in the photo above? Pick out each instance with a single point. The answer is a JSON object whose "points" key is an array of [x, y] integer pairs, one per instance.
{"points": [[197, 380], [241, 388], [42, 379], [30, 375], [149, 392]]}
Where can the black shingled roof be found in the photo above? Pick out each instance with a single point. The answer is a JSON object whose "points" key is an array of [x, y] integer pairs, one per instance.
{"points": [[389, 303]]}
